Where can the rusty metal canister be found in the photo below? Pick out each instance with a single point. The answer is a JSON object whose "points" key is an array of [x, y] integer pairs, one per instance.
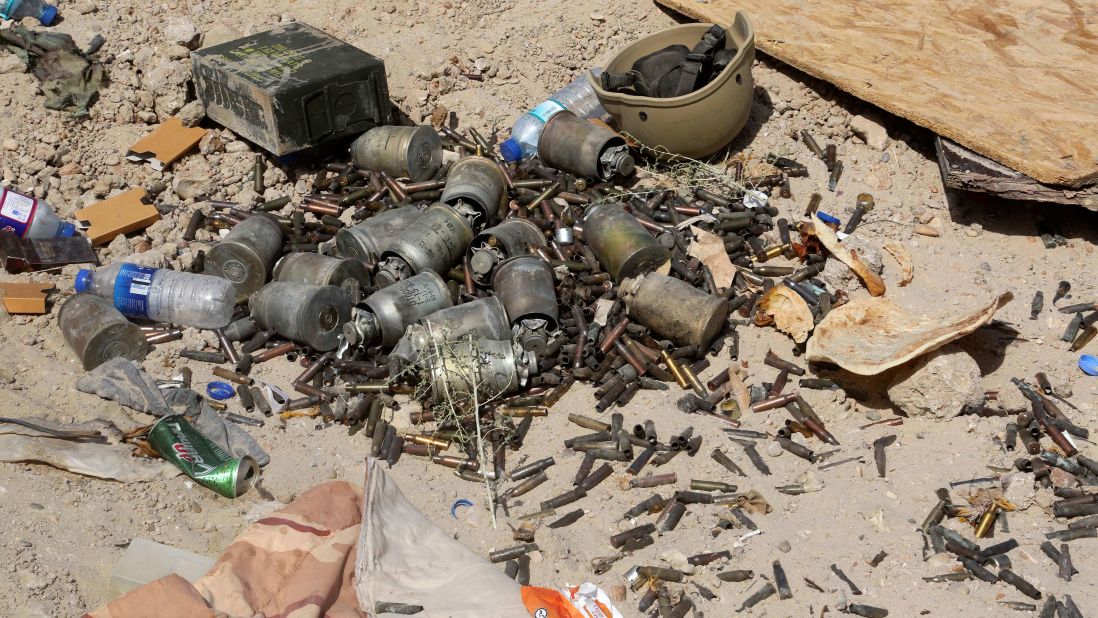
{"points": [[435, 241], [478, 182], [574, 145], [484, 318], [526, 286], [369, 239], [674, 309], [620, 242], [512, 238], [384, 315], [401, 152], [98, 332], [309, 314], [347, 274], [245, 256]]}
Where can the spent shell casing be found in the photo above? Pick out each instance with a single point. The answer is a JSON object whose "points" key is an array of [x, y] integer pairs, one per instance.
{"points": [[704, 485], [380, 429], [949, 577], [584, 468], [621, 538], [1036, 305], [589, 423], [708, 558], [503, 555], [531, 469], [648, 505], [727, 463], [396, 449], [526, 486], [661, 573], [797, 449], [1072, 329], [781, 581], [610, 454], [653, 480], [216, 358], [404, 609], [596, 477], [670, 517], [567, 497], [694, 497], [1064, 566], [232, 376], [760, 595], [978, 570], [866, 611], [1018, 582], [641, 460], [1072, 534], [739, 575]]}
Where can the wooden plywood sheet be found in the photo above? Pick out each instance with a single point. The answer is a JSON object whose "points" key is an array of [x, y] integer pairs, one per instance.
{"points": [[1010, 79]]}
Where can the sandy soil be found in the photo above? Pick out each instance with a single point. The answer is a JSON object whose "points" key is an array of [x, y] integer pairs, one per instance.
{"points": [[65, 532]]}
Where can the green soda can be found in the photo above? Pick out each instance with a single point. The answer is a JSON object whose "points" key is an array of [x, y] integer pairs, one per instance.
{"points": [[177, 441]]}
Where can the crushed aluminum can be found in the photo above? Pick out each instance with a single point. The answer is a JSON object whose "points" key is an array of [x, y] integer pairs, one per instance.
{"points": [[177, 441]]}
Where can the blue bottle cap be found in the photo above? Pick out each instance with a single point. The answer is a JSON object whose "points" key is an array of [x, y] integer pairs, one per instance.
{"points": [[67, 229], [1089, 364], [826, 218], [460, 502], [510, 150], [219, 390], [83, 281], [48, 15]]}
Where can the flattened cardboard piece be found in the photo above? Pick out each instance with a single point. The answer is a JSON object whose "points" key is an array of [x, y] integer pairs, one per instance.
{"points": [[25, 297], [120, 214], [166, 144], [19, 255]]}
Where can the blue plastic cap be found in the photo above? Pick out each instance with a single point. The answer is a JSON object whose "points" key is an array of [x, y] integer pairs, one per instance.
{"points": [[1089, 364], [83, 281], [48, 15], [219, 390], [511, 150], [67, 229], [826, 218]]}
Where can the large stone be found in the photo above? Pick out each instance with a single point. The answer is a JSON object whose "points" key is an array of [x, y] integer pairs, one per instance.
{"points": [[870, 131], [181, 31], [939, 384]]}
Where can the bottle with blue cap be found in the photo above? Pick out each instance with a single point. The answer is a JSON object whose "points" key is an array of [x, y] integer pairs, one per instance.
{"points": [[45, 12], [27, 217], [162, 295], [577, 97]]}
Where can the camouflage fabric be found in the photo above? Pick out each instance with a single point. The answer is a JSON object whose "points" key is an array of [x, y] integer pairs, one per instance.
{"points": [[295, 563]]}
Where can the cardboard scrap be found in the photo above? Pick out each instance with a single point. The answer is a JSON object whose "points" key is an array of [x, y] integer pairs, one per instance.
{"points": [[166, 144], [709, 249], [120, 214], [25, 297]]}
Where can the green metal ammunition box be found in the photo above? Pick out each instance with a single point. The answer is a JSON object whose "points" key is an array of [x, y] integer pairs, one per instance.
{"points": [[292, 88]]}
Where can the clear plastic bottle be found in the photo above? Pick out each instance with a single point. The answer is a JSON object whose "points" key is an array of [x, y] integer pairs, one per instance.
{"points": [[577, 97], [162, 295], [45, 12], [28, 217]]}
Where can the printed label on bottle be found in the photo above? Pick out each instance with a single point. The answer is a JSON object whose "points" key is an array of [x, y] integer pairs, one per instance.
{"points": [[131, 290], [9, 7], [546, 110], [16, 212]]}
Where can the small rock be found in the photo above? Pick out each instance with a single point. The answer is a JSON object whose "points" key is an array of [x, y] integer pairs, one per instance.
{"points": [[192, 113], [1061, 478], [181, 31], [6, 375], [1020, 491], [220, 33], [870, 131], [938, 385], [597, 17], [784, 547], [11, 145], [487, 47], [774, 449], [616, 593], [925, 230], [840, 276]]}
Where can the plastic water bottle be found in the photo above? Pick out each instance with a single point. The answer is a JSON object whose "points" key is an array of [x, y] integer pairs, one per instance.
{"points": [[577, 97], [162, 295], [27, 217], [18, 9]]}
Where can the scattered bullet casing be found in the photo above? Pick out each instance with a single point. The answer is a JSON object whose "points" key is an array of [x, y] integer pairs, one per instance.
{"points": [[653, 480], [760, 595], [670, 517], [736, 576], [661, 573], [701, 485], [510, 553], [567, 497], [526, 486], [781, 581], [596, 477], [648, 505], [866, 611], [619, 539], [1022, 585]]}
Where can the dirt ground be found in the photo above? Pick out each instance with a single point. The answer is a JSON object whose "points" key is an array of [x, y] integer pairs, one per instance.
{"points": [[66, 532]]}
